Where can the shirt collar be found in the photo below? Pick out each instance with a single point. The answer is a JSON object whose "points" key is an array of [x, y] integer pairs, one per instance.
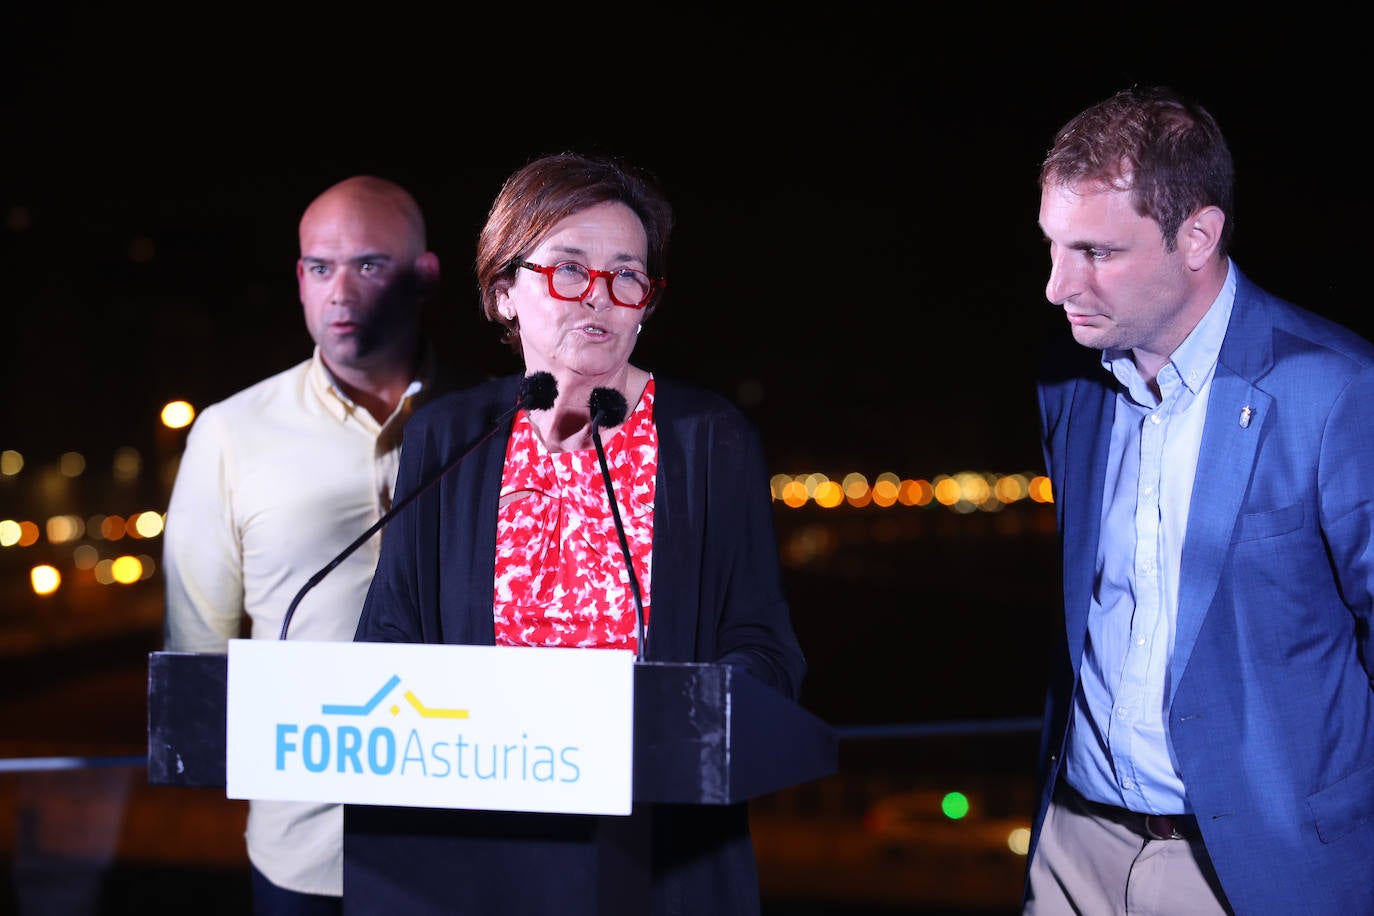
{"points": [[1195, 358], [341, 406]]}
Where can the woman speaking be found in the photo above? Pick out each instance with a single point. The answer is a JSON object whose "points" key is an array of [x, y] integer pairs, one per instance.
{"points": [[521, 546]]}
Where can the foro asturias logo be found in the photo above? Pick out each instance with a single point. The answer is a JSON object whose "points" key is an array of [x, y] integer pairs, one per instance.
{"points": [[426, 750]]}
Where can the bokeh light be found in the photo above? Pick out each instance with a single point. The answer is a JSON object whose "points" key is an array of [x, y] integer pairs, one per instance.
{"points": [[112, 527], [45, 579], [828, 495], [886, 488], [177, 414], [103, 573], [954, 805], [794, 494], [146, 524], [962, 492], [947, 490], [72, 464], [127, 464], [1011, 488], [777, 483], [126, 570], [64, 528], [916, 493]]}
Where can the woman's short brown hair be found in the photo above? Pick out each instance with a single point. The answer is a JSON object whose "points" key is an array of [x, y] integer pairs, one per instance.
{"points": [[548, 189]]}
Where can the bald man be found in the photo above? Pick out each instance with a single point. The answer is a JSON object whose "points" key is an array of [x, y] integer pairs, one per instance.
{"points": [[278, 479]]}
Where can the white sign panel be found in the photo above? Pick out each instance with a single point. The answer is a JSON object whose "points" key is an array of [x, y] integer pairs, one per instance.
{"points": [[479, 727]]}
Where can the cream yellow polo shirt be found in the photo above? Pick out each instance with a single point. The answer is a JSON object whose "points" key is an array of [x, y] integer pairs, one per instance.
{"points": [[275, 482]]}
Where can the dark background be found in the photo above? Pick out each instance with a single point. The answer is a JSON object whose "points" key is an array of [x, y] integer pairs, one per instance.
{"points": [[856, 258], [856, 262]]}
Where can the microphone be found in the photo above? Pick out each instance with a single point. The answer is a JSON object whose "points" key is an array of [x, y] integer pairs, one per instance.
{"points": [[608, 408], [537, 392]]}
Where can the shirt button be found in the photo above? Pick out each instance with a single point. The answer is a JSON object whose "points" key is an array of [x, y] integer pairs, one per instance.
{"points": [[1140, 640], [1154, 418]]}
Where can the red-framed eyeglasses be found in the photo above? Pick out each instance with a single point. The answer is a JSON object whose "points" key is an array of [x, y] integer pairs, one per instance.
{"points": [[572, 282]]}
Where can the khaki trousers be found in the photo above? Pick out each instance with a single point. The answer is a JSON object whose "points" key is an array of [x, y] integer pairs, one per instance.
{"points": [[1086, 864]]}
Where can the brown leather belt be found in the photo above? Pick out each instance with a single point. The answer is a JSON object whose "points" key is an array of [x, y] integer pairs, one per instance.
{"points": [[1149, 826], [1170, 826]]}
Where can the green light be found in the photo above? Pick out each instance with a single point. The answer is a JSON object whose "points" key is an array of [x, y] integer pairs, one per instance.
{"points": [[955, 805]]}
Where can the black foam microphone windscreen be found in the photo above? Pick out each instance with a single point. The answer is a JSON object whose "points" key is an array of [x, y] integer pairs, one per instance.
{"points": [[608, 407], [539, 390]]}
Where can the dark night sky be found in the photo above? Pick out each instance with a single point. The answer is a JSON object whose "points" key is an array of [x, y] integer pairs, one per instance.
{"points": [[856, 203]]}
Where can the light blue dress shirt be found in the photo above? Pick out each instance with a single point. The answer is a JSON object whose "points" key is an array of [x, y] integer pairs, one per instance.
{"points": [[1118, 747]]}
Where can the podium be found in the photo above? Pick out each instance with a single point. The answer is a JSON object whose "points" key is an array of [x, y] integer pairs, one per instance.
{"points": [[706, 738]]}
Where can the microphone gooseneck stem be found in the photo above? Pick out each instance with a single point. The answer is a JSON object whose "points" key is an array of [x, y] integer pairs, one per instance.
{"points": [[620, 532], [533, 395]]}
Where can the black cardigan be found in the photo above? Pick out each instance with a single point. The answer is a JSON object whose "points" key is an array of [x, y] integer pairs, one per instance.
{"points": [[717, 597]]}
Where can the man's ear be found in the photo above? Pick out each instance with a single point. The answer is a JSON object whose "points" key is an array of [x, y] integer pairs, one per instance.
{"points": [[1200, 235], [427, 274]]}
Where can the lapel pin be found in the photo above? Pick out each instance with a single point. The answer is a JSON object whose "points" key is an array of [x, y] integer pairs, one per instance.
{"points": [[1245, 414]]}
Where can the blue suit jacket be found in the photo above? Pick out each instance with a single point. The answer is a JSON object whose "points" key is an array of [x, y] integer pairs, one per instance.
{"points": [[1272, 718]]}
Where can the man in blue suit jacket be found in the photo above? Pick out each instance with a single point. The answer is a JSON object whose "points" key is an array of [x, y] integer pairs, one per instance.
{"points": [[1209, 732]]}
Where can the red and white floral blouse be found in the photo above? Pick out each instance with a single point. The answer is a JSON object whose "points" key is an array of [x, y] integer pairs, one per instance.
{"points": [[560, 574]]}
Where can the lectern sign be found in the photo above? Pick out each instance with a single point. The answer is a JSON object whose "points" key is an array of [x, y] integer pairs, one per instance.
{"points": [[480, 727]]}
